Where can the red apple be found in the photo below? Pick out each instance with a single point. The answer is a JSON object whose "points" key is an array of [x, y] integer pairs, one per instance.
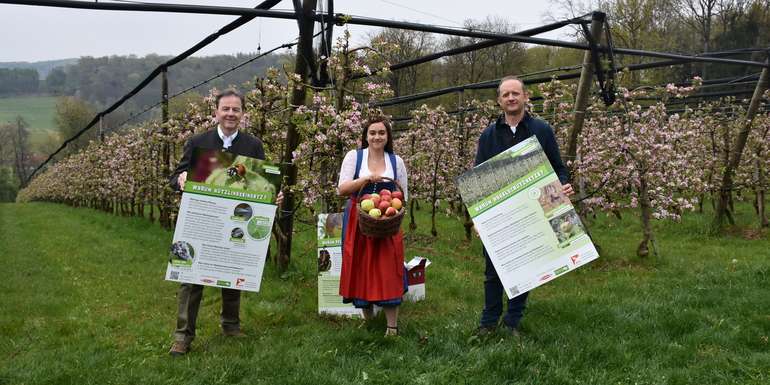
{"points": [[386, 198], [366, 196], [376, 199], [397, 194], [383, 206], [396, 203], [384, 192], [390, 212]]}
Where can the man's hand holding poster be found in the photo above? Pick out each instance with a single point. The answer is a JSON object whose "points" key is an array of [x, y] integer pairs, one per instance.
{"points": [[527, 225], [225, 221]]}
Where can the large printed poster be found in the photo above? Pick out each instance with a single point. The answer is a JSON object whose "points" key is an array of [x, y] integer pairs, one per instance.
{"points": [[527, 225], [225, 221], [330, 266]]}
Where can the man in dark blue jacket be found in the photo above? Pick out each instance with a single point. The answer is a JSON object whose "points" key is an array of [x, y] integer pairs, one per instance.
{"points": [[513, 126]]}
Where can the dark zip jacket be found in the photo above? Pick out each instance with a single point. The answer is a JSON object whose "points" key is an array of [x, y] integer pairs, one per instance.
{"points": [[498, 137]]}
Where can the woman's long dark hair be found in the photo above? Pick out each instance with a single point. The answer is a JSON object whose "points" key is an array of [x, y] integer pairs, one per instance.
{"points": [[377, 119]]}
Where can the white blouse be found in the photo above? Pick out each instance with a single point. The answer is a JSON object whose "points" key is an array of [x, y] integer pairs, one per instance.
{"points": [[348, 169]]}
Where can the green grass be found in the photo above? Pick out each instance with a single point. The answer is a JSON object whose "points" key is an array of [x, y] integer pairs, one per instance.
{"points": [[84, 302], [37, 111]]}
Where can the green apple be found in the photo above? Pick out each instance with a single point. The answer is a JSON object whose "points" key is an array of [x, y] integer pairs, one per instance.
{"points": [[375, 213], [367, 204]]}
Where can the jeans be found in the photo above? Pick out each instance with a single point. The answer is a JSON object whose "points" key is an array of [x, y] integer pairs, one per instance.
{"points": [[493, 302]]}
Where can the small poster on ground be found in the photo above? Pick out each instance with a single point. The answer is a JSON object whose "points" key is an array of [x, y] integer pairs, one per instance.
{"points": [[527, 225], [225, 221], [330, 267]]}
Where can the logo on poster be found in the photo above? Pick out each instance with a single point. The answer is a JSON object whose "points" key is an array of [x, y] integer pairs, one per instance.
{"points": [[239, 282], [545, 277], [534, 193], [207, 280], [575, 258]]}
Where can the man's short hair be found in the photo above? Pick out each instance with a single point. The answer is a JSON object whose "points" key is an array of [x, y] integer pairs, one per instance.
{"points": [[230, 92], [511, 77]]}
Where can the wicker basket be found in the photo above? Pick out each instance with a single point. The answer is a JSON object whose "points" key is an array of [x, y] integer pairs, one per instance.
{"points": [[383, 226]]}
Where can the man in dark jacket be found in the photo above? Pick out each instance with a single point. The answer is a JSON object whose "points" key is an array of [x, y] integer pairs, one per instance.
{"points": [[225, 137], [512, 127]]}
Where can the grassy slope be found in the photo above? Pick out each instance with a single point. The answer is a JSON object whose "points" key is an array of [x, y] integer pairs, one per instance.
{"points": [[37, 111], [85, 303]]}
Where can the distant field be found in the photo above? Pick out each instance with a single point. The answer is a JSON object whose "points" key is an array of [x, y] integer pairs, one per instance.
{"points": [[37, 111]]}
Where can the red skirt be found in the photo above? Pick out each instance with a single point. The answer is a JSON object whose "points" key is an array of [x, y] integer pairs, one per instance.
{"points": [[372, 268]]}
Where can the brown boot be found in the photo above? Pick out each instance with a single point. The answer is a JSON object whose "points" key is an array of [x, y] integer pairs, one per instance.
{"points": [[179, 348]]}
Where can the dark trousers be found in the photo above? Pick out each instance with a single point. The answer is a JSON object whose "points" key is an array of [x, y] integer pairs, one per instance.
{"points": [[493, 301], [189, 298]]}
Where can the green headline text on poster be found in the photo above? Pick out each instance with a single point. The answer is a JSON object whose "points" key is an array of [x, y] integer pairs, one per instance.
{"points": [[229, 193], [510, 190]]}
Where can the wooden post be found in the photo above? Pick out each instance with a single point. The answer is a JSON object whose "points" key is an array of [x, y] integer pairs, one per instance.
{"points": [[101, 128], [299, 94], [584, 87], [164, 201], [581, 102], [164, 94], [725, 189]]}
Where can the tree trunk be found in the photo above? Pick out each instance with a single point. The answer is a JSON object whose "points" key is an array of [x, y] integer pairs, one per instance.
{"points": [[433, 221], [468, 224], [434, 196], [763, 221], [711, 171], [647, 236], [412, 223], [760, 195]]}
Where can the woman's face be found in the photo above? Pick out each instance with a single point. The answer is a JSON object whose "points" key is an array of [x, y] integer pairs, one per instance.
{"points": [[377, 136]]}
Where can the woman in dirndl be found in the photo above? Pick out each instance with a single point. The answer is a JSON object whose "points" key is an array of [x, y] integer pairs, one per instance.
{"points": [[372, 268]]}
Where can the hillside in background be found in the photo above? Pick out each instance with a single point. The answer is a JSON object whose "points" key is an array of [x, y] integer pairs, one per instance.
{"points": [[43, 68], [101, 81]]}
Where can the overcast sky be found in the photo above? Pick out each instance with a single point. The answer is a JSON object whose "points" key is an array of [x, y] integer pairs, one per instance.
{"points": [[32, 33]]}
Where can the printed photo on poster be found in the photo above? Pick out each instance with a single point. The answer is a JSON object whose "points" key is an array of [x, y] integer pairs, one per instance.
{"points": [[225, 169]]}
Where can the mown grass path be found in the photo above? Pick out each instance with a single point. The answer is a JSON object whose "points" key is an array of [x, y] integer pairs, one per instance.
{"points": [[84, 302]]}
